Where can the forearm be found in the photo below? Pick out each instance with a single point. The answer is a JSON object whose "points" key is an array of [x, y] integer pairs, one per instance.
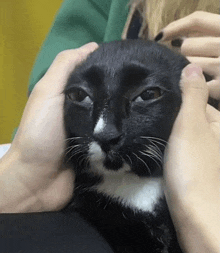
{"points": [[197, 221], [15, 196]]}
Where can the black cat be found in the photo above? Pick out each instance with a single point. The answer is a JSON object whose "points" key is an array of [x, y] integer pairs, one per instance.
{"points": [[120, 105]]}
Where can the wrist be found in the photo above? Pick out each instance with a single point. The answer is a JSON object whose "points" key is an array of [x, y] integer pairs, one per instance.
{"points": [[33, 187], [15, 195], [196, 221]]}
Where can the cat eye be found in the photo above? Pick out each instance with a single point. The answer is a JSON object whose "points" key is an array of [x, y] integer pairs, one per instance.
{"points": [[149, 94], [79, 96]]}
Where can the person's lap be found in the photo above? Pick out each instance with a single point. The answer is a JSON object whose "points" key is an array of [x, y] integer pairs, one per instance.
{"points": [[51, 232]]}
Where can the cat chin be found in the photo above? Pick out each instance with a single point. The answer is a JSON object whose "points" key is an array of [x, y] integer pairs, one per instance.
{"points": [[112, 164], [103, 164], [99, 168], [124, 185]]}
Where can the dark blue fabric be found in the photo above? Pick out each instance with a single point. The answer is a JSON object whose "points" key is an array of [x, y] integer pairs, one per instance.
{"points": [[53, 232]]}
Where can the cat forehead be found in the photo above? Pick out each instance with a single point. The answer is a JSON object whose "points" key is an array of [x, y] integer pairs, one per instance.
{"points": [[129, 75], [148, 53], [129, 62]]}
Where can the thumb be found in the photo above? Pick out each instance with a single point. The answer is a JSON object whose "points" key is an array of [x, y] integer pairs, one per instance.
{"points": [[194, 90]]}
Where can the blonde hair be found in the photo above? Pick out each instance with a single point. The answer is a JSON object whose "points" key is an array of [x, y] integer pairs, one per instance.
{"points": [[157, 14]]}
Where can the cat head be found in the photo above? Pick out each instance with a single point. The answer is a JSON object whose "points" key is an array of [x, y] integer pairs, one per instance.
{"points": [[120, 106]]}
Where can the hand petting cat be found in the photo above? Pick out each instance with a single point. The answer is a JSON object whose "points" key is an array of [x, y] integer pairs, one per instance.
{"points": [[198, 36], [31, 178], [192, 167]]}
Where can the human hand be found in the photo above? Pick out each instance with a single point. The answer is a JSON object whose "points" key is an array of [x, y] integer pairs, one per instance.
{"points": [[36, 154], [192, 167], [198, 36]]}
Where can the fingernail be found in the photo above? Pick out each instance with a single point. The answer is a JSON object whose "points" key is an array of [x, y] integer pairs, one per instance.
{"points": [[193, 70], [177, 43], [159, 36]]}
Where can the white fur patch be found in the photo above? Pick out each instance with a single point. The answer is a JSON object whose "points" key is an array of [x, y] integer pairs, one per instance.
{"points": [[95, 152], [97, 157], [100, 125], [132, 191]]}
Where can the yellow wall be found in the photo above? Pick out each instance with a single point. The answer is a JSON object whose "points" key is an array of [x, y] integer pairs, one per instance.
{"points": [[23, 26]]}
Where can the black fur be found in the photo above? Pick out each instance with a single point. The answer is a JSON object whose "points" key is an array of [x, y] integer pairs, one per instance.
{"points": [[113, 80]]}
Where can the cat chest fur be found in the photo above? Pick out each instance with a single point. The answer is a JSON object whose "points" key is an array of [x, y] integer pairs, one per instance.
{"points": [[129, 189]]}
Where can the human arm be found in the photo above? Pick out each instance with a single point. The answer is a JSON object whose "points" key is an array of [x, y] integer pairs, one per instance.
{"points": [[31, 175], [192, 168]]}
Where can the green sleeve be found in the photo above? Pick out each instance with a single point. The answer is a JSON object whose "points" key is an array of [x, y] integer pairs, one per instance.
{"points": [[77, 23]]}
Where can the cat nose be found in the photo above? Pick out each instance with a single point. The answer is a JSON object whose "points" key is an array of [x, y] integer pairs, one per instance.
{"points": [[109, 138]]}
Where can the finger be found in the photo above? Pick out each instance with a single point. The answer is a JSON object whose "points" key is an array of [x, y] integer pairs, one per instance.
{"points": [[209, 65], [202, 46], [214, 89], [68, 59], [199, 21], [194, 90], [61, 68]]}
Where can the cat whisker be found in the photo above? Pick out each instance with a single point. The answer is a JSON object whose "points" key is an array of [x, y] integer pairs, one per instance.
{"points": [[152, 151], [158, 140], [83, 159], [121, 157], [153, 158], [125, 97], [70, 158], [77, 187], [159, 143], [129, 159], [75, 152], [124, 216], [98, 201], [107, 202], [159, 165], [142, 162], [156, 148], [72, 147], [87, 162], [73, 138], [81, 188], [77, 147], [80, 149]]}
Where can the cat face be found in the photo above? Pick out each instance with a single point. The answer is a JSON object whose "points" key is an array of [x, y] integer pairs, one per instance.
{"points": [[120, 105]]}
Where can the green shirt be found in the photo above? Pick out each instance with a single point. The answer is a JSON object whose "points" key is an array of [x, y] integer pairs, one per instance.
{"points": [[77, 23]]}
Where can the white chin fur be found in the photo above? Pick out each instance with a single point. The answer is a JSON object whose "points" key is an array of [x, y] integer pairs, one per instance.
{"points": [[97, 157], [131, 190], [95, 152]]}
